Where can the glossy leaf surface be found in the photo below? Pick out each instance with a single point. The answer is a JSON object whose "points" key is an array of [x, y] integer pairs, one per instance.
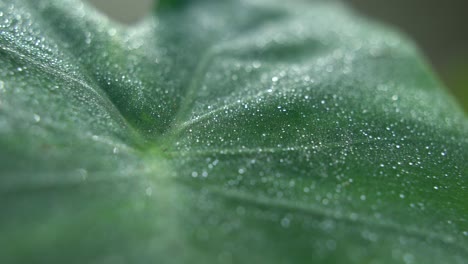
{"points": [[224, 132]]}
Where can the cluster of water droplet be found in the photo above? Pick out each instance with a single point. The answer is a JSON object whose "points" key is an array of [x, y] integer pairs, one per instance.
{"points": [[278, 120]]}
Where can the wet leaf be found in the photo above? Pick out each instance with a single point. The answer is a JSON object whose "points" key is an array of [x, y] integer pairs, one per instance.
{"points": [[224, 132]]}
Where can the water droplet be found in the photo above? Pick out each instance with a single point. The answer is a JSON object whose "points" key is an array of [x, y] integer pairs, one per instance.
{"points": [[194, 174], [395, 97], [88, 38], [436, 187], [37, 118], [149, 191], [363, 197], [285, 222], [83, 173], [112, 32], [256, 64], [274, 79]]}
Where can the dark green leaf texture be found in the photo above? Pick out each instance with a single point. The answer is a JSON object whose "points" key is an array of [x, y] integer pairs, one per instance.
{"points": [[224, 132]]}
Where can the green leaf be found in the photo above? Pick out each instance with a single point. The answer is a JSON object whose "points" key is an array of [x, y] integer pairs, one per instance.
{"points": [[224, 132]]}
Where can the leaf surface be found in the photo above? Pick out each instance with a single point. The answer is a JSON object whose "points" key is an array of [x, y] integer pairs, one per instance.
{"points": [[224, 132]]}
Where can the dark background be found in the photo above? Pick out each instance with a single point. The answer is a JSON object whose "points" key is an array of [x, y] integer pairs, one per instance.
{"points": [[439, 27]]}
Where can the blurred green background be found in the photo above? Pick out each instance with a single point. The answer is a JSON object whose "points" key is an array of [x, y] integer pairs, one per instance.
{"points": [[439, 27]]}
